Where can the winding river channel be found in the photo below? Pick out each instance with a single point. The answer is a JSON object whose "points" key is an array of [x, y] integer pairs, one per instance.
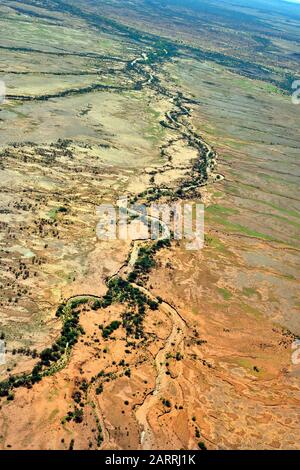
{"points": [[197, 175]]}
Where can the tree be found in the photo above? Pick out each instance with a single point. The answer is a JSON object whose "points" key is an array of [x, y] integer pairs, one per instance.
{"points": [[202, 445]]}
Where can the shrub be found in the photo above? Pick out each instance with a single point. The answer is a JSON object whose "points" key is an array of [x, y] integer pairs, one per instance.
{"points": [[97, 305], [166, 403], [108, 330], [71, 446], [78, 415], [202, 445]]}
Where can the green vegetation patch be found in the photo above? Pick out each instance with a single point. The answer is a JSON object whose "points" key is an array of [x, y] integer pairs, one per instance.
{"points": [[226, 294], [109, 330], [250, 292], [219, 214], [215, 243], [57, 210], [218, 210]]}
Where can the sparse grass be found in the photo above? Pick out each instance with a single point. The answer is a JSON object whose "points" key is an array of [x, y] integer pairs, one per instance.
{"points": [[226, 294], [250, 291], [250, 366], [154, 132], [238, 228], [53, 213], [218, 210], [252, 311], [216, 244], [255, 86], [289, 212]]}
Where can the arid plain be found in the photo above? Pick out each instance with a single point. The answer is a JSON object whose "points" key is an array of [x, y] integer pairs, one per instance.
{"points": [[177, 349]]}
